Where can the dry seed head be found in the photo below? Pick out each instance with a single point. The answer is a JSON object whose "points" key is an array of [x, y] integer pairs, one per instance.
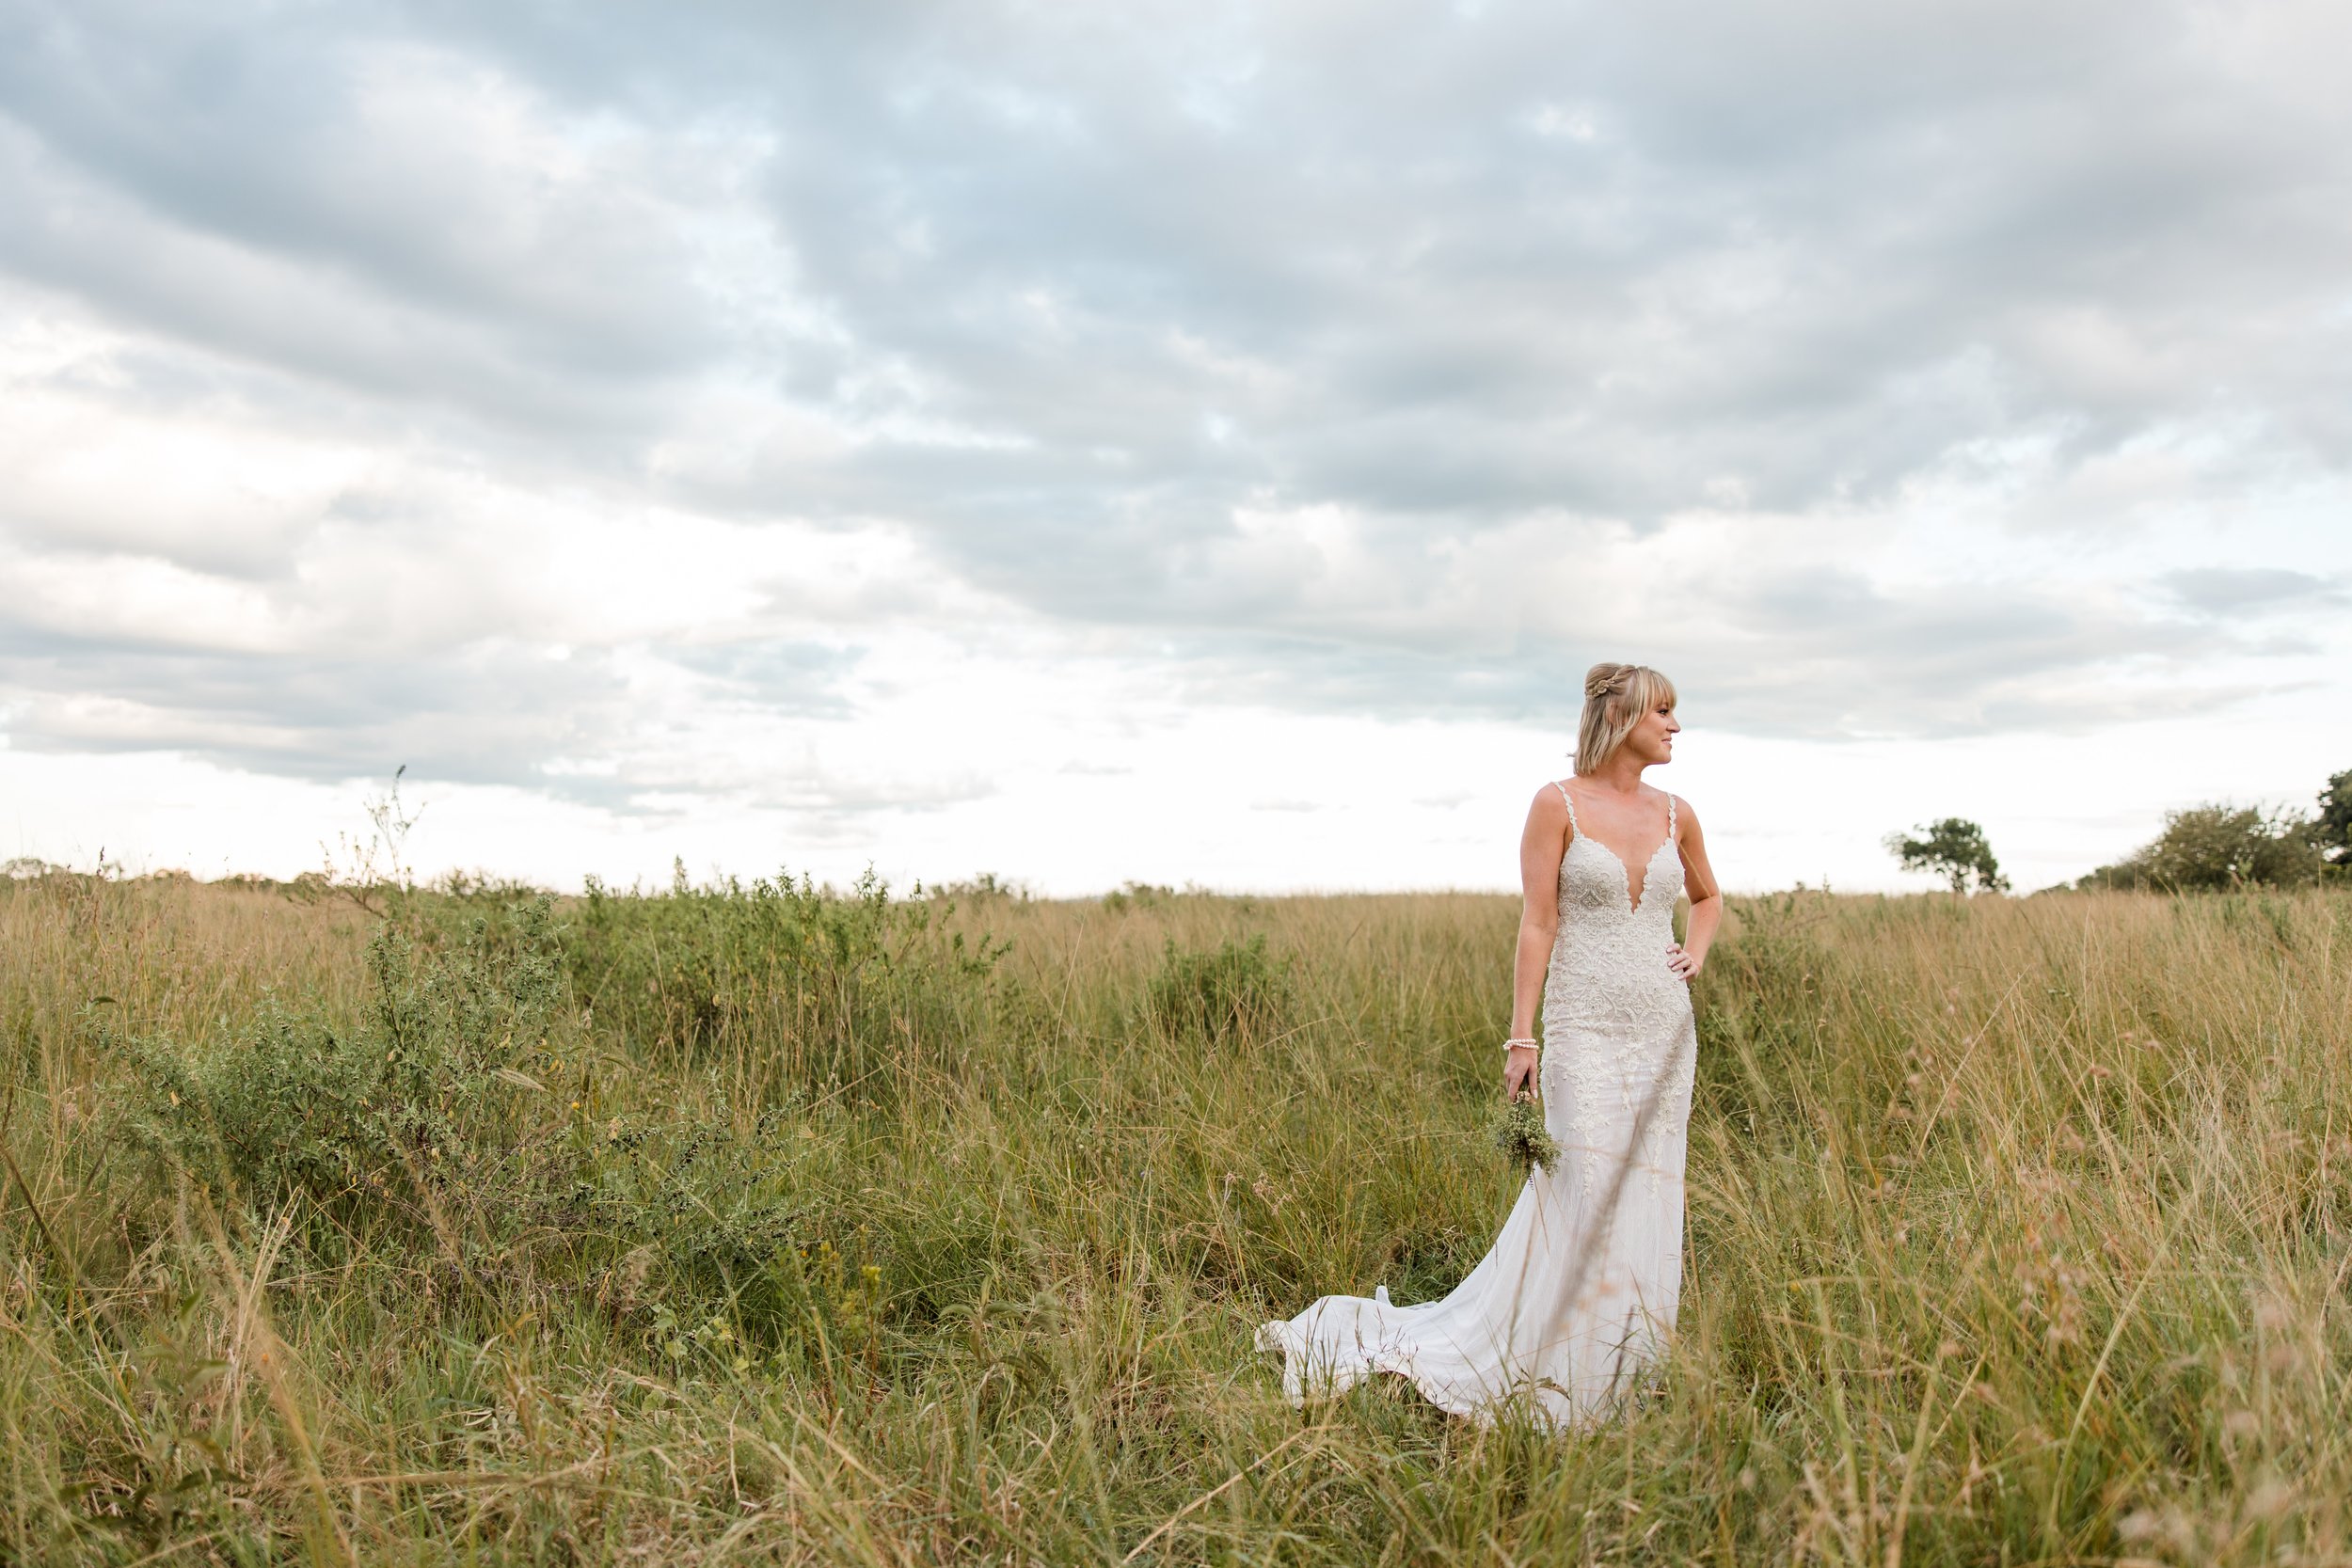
{"points": [[2270, 1499]]}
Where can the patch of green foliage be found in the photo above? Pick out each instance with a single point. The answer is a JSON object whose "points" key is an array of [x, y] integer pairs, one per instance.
{"points": [[417, 1105], [1233, 992], [443, 1122], [1954, 848], [2218, 847], [2332, 827], [814, 991], [1134, 894]]}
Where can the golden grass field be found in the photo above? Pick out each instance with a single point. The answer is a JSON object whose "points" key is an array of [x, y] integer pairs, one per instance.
{"points": [[768, 1227]]}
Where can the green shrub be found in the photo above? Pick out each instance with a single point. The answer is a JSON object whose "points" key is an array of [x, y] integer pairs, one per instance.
{"points": [[813, 991], [2219, 847], [692, 1223], [1234, 992], [421, 1128], [1137, 896], [419, 1103], [2331, 830]]}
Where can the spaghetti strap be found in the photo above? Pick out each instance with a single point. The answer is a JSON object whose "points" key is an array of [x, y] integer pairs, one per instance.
{"points": [[1568, 801], [1670, 816]]}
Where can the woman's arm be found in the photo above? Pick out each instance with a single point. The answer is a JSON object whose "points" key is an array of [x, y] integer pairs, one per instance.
{"points": [[1687, 957], [1541, 846]]}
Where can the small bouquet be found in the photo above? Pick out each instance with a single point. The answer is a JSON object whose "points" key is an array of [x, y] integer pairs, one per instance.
{"points": [[1517, 1130]]}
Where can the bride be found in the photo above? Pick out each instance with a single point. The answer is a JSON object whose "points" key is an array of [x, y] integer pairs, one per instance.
{"points": [[1578, 1293]]}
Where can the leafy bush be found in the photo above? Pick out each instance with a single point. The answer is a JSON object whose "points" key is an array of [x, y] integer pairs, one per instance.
{"points": [[690, 1219], [1234, 992], [2332, 829], [419, 1102], [1137, 896], [2219, 847], [816, 989], [422, 1128]]}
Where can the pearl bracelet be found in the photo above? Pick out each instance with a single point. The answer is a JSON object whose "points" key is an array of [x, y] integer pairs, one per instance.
{"points": [[1510, 1044]]}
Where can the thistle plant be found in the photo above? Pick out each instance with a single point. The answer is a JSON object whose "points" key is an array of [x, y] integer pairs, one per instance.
{"points": [[1516, 1129]]}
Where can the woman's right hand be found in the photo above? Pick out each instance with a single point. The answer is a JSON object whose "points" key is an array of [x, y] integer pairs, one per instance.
{"points": [[1519, 1072]]}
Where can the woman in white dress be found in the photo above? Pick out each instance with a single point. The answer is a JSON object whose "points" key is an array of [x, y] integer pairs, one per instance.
{"points": [[1578, 1293]]}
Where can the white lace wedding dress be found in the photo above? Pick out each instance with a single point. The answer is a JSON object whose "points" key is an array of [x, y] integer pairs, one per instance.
{"points": [[1579, 1292]]}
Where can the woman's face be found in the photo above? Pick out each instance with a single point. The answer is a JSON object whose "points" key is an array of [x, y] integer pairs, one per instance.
{"points": [[1653, 739]]}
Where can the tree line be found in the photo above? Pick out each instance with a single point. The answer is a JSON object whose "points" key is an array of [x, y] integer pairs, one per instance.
{"points": [[2216, 845]]}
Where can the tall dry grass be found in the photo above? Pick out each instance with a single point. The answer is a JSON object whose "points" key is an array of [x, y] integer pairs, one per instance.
{"points": [[2018, 1233]]}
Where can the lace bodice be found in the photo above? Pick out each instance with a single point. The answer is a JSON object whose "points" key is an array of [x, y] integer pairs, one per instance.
{"points": [[1609, 960]]}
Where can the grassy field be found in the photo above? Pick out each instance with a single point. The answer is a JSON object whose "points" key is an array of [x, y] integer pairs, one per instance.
{"points": [[758, 1224]]}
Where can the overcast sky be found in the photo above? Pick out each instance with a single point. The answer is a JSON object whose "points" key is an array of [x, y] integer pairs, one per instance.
{"points": [[1183, 442]]}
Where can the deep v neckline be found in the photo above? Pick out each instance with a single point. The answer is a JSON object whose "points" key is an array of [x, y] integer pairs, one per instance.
{"points": [[1625, 872], [1625, 868]]}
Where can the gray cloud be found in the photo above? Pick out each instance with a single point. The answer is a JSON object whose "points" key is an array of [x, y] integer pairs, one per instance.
{"points": [[1064, 292], [485, 714], [1820, 654], [2230, 590]]}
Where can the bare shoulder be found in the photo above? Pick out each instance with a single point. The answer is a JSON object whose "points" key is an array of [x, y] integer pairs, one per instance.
{"points": [[1686, 816], [1548, 817]]}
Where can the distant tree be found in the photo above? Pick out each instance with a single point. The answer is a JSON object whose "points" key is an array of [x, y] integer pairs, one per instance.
{"points": [[1955, 849], [2333, 830], [2220, 846]]}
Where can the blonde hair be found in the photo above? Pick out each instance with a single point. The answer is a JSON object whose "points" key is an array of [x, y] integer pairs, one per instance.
{"points": [[1616, 697]]}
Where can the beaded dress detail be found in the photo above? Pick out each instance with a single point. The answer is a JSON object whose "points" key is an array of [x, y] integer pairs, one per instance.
{"points": [[1579, 1292]]}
